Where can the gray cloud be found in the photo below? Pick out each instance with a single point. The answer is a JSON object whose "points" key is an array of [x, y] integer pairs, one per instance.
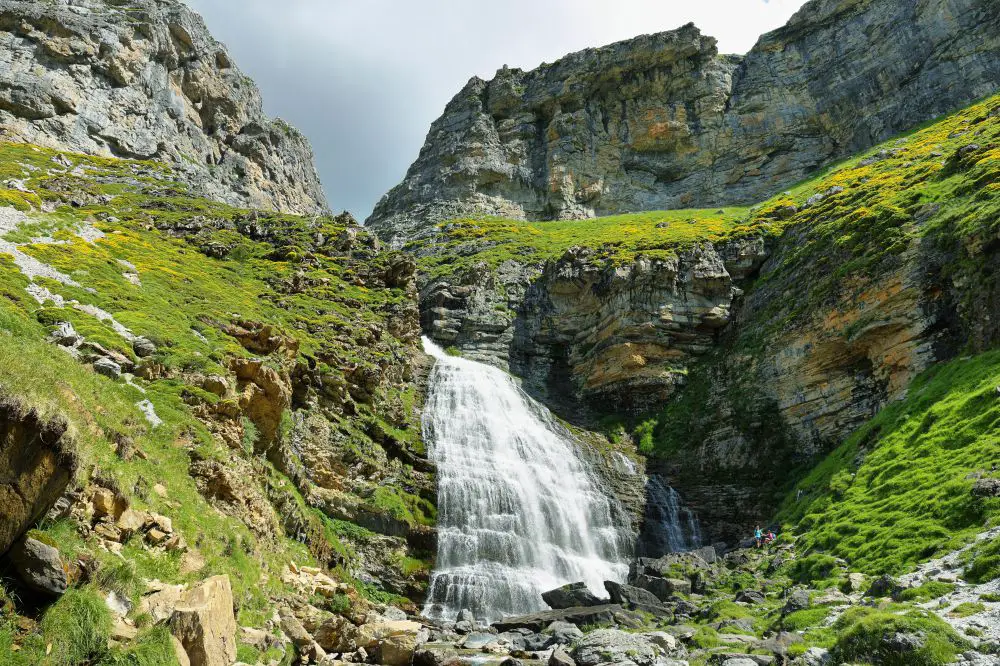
{"points": [[364, 79]]}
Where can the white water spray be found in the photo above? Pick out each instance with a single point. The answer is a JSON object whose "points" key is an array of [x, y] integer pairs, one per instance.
{"points": [[519, 511]]}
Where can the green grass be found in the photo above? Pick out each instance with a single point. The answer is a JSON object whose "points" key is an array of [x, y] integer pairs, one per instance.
{"points": [[77, 627], [205, 270], [909, 498], [932, 589], [966, 609], [861, 634]]}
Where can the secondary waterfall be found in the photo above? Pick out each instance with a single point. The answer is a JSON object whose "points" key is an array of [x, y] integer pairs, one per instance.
{"points": [[670, 527], [519, 511]]}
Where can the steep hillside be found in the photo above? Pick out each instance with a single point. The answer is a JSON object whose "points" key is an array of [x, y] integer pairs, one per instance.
{"points": [[244, 378], [664, 121], [757, 338], [144, 79]]}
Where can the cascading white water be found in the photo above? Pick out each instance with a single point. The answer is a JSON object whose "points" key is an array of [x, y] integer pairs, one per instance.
{"points": [[519, 512], [670, 526]]}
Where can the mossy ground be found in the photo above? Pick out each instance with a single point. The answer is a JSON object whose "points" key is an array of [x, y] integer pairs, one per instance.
{"points": [[203, 267]]}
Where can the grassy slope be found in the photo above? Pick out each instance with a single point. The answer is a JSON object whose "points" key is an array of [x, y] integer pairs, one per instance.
{"points": [[184, 302]]}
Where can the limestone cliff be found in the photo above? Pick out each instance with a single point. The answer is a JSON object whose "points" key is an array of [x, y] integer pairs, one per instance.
{"points": [[663, 121], [747, 342], [145, 80]]}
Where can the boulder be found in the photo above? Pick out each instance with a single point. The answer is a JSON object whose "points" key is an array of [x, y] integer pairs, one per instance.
{"points": [[562, 633], [797, 600], [616, 647], [39, 567], [635, 597], [883, 586], [143, 347], [161, 599], [663, 588], [571, 595], [988, 487], [300, 638], [105, 366], [204, 623], [560, 657], [815, 656], [583, 615], [750, 597], [397, 649]]}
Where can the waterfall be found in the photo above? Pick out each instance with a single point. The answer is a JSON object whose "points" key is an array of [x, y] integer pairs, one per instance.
{"points": [[669, 527], [519, 511]]}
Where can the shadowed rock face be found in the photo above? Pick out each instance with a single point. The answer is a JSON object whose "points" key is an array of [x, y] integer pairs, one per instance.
{"points": [[663, 121], [36, 464], [145, 79]]}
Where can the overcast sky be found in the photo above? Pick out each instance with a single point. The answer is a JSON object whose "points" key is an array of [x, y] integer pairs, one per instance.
{"points": [[364, 79]]}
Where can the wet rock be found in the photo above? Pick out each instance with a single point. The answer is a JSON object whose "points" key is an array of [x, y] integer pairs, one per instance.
{"points": [[571, 595], [39, 567]]}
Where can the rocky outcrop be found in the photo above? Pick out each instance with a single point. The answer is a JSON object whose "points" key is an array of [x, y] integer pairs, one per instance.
{"points": [[148, 81], [204, 623], [616, 337], [663, 121], [37, 460]]}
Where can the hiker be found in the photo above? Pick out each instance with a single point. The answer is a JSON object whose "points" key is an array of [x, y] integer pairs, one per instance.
{"points": [[758, 536], [770, 537]]}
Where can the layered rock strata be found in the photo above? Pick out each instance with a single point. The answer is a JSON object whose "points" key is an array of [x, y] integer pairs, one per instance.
{"points": [[664, 121]]}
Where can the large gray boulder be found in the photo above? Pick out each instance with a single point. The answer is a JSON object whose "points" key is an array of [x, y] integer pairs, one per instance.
{"points": [[39, 567], [571, 595], [613, 646]]}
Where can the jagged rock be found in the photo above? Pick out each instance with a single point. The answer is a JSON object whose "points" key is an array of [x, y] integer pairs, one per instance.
{"points": [[105, 366], [303, 642], [560, 657], [39, 567], [616, 647], [75, 75], [988, 487], [663, 588], [548, 143], [578, 616], [750, 597], [38, 459], [571, 595], [636, 598], [797, 600], [143, 347], [204, 623], [815, 656], [159, 602], [883, 586], [562, 633]]}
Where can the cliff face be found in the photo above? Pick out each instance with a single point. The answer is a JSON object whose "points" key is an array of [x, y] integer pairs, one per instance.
{"points": [[663, 121], [750, 342], [145, 80]]}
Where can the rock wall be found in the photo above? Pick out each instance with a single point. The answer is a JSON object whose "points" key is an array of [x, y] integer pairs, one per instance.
{"points": [[37, 460], [146, 80], [663, 121]]}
